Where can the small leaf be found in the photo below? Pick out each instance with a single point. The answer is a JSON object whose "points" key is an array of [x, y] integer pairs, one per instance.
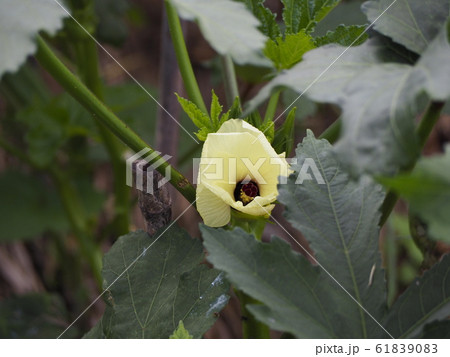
{"points": [[20, 23], [235, 112], [216, 109], [425, 300], [411, 23], [200, 119], [303, 15], [166, 284], [344, 36], [284, 136], [427, 189], [228, 26], [286, 52], [269, 25], [268, 128], [181, 332]]}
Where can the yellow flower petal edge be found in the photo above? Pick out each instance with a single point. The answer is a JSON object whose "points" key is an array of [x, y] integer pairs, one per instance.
{"points": [[237, 158]]}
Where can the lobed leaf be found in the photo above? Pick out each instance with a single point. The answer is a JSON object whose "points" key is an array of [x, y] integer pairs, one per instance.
{"points": [[426, 299], [165, 285], [411, 23], [20, 23], [339, 217], [228, 26]]}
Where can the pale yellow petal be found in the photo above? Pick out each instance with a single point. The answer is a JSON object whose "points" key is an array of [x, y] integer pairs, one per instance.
{"points": [[214, 211]]}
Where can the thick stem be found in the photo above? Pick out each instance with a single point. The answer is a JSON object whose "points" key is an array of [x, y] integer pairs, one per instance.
{"points": [[229, 79], [190, 82], [83, 95], [423, 131], [88, 67], [251, 328]]}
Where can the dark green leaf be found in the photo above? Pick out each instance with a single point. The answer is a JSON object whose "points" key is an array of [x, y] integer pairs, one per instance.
{"points": [[412, 23], [284, 136], [269, 25], [228, 26], [426, 299], [344, 36], [427, 189], [181, 332], [339, 217], [29, 207], [33, 316], [166, 284], [303, 15], [437, 329], [20, 22], [379, 100], [295, 296], [284, 53]]}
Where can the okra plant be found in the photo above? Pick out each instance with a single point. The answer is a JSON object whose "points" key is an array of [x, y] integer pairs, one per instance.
{"points": [[346, 264]]}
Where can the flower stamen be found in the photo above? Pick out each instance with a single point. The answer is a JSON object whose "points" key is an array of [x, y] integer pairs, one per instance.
{"points": [[246, 191]]}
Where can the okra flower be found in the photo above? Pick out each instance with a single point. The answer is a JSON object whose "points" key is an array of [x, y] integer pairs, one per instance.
{"points": [[239, 170]]}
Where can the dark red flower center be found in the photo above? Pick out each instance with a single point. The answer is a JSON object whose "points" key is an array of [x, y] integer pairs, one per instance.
{"points": [[246, 191]]}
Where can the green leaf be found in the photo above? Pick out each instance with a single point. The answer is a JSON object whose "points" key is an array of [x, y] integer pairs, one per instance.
{"points": [[284, 53], [304, 14], [425, 300], [228, 26], [216, 109], [437, 329], [284, 136], [268, 128], [166, 284], [380, 96], [29, 206], [33, 316], [427, 189], [181, 332], [344, 36], [200, 119], [295, 297], [339, 217], [411, 23], [20, 22], [268, 19]]}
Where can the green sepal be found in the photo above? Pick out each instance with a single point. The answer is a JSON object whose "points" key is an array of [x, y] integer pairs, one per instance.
{"points": [[181, 332], [284, 135]]}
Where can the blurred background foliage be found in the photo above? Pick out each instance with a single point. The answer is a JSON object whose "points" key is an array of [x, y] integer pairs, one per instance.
{"points": [[54, 161]]}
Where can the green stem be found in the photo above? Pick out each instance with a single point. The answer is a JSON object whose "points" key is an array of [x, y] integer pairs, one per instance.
{"points": [[87, 59], [229, 79], [423, 131], [187, 73], [272, 106], [100, 112], [251, 328], [332, 132], [78, 221]]}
